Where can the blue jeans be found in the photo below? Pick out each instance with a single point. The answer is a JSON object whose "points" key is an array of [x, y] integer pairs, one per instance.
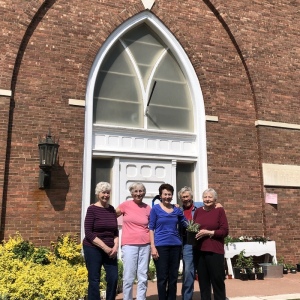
{"points": [[167, 266], [95, 258], [188, 272], [135, 262]]}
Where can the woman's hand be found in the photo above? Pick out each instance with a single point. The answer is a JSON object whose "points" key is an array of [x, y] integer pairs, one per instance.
{"points": [[113, 253], [204, 232], [154, 253]]}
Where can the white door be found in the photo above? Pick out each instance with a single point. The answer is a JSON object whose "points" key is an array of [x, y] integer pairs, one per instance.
{"points": [[152, 173]]}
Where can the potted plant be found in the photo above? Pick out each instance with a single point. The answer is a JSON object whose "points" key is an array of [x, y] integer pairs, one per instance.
{"points": [[298, 267], [259, 273], [285, 269], [250, 267], [191, 231], [281, 262], [251, 274], [292, 269], [243, 275], [240, 263]]}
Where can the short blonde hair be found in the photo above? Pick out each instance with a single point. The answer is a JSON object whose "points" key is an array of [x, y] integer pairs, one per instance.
{"points": [[102, 187]]}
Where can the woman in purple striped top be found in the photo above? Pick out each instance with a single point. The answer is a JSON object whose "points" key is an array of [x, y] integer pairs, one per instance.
{"points": [[101, 243]]}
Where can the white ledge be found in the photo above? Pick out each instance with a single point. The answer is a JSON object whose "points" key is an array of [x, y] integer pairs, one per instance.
{"points": [[212, 118], [76, 102], [277, 124], [6, 93]]}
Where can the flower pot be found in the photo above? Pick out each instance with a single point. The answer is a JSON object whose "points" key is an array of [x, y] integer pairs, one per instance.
{"points": [[285, 270], [260, 276], [236, 272], [244, 276], [251, 276], [293, 270], [191, 238], [298, 267]]}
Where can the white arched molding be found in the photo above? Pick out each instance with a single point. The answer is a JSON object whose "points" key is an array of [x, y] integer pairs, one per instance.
{"points": [[201, 182]]}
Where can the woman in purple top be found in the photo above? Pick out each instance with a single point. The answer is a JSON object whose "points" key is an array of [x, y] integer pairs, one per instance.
{"points": [[101, 243], [209, 252]]}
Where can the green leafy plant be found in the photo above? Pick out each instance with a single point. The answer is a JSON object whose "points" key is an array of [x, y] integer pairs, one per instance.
{"points": [[230, 240], [24, 249], [151, 270], [192, 226], [249, 263], [40, 256], [241, 261]]}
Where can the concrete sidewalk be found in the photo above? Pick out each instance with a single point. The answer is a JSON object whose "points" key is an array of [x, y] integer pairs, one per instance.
{"points": [[285, 288]]}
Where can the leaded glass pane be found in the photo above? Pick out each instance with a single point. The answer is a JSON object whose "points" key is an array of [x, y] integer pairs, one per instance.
{"points": [[117, 94]]}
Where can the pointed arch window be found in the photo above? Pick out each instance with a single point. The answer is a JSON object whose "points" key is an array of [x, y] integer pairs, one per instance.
{"points": [[141, 85]]}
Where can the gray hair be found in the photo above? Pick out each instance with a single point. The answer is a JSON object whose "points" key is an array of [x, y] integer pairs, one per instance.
{"points": [[185, 189], [134, 185], [212, 191], [102, 187]]}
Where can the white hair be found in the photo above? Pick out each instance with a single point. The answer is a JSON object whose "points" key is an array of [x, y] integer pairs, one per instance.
{"points": [[212, 191], [102, 187]]}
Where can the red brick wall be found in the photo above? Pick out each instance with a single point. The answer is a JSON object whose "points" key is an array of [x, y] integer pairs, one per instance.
{"points": [[246, 56]]}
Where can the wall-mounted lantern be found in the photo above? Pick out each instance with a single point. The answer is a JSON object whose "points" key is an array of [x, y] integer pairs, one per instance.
{"points": [[48, 150]]}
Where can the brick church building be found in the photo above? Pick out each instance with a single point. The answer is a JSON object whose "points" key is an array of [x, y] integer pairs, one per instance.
{"points": [[199, 93]]}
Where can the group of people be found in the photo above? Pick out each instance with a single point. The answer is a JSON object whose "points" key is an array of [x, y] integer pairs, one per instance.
{"points": [[154, 232]]}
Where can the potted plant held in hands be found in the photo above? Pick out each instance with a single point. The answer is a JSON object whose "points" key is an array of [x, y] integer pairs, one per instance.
{"points": [[191, 231]]}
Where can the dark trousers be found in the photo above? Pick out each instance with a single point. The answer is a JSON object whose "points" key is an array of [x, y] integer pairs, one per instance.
{"points": [[211, 272], [95, 258], [167, 266]]}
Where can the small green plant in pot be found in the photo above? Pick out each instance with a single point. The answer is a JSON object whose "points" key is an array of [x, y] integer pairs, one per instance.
{"points": [[292, 268], [191, 231], [259, 273], [282, 262], [240, 264], [250, 267]]}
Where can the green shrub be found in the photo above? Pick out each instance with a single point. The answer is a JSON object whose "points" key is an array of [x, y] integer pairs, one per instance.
{"points": [[23, 249], [40, 256]]}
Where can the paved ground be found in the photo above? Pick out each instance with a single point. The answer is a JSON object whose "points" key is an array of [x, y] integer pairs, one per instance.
{"points": [[287, 287]]}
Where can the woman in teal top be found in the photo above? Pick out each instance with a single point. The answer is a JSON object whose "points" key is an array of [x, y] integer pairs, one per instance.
{"points": [[166, 244]]}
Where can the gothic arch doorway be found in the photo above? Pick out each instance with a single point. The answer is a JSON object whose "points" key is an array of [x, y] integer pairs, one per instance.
{"points": [[145, 118]]}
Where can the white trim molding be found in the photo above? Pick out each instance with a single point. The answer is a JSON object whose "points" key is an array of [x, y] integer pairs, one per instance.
{"points": [[5, 93], [76, 102], [212, 118], [277, 124]]}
